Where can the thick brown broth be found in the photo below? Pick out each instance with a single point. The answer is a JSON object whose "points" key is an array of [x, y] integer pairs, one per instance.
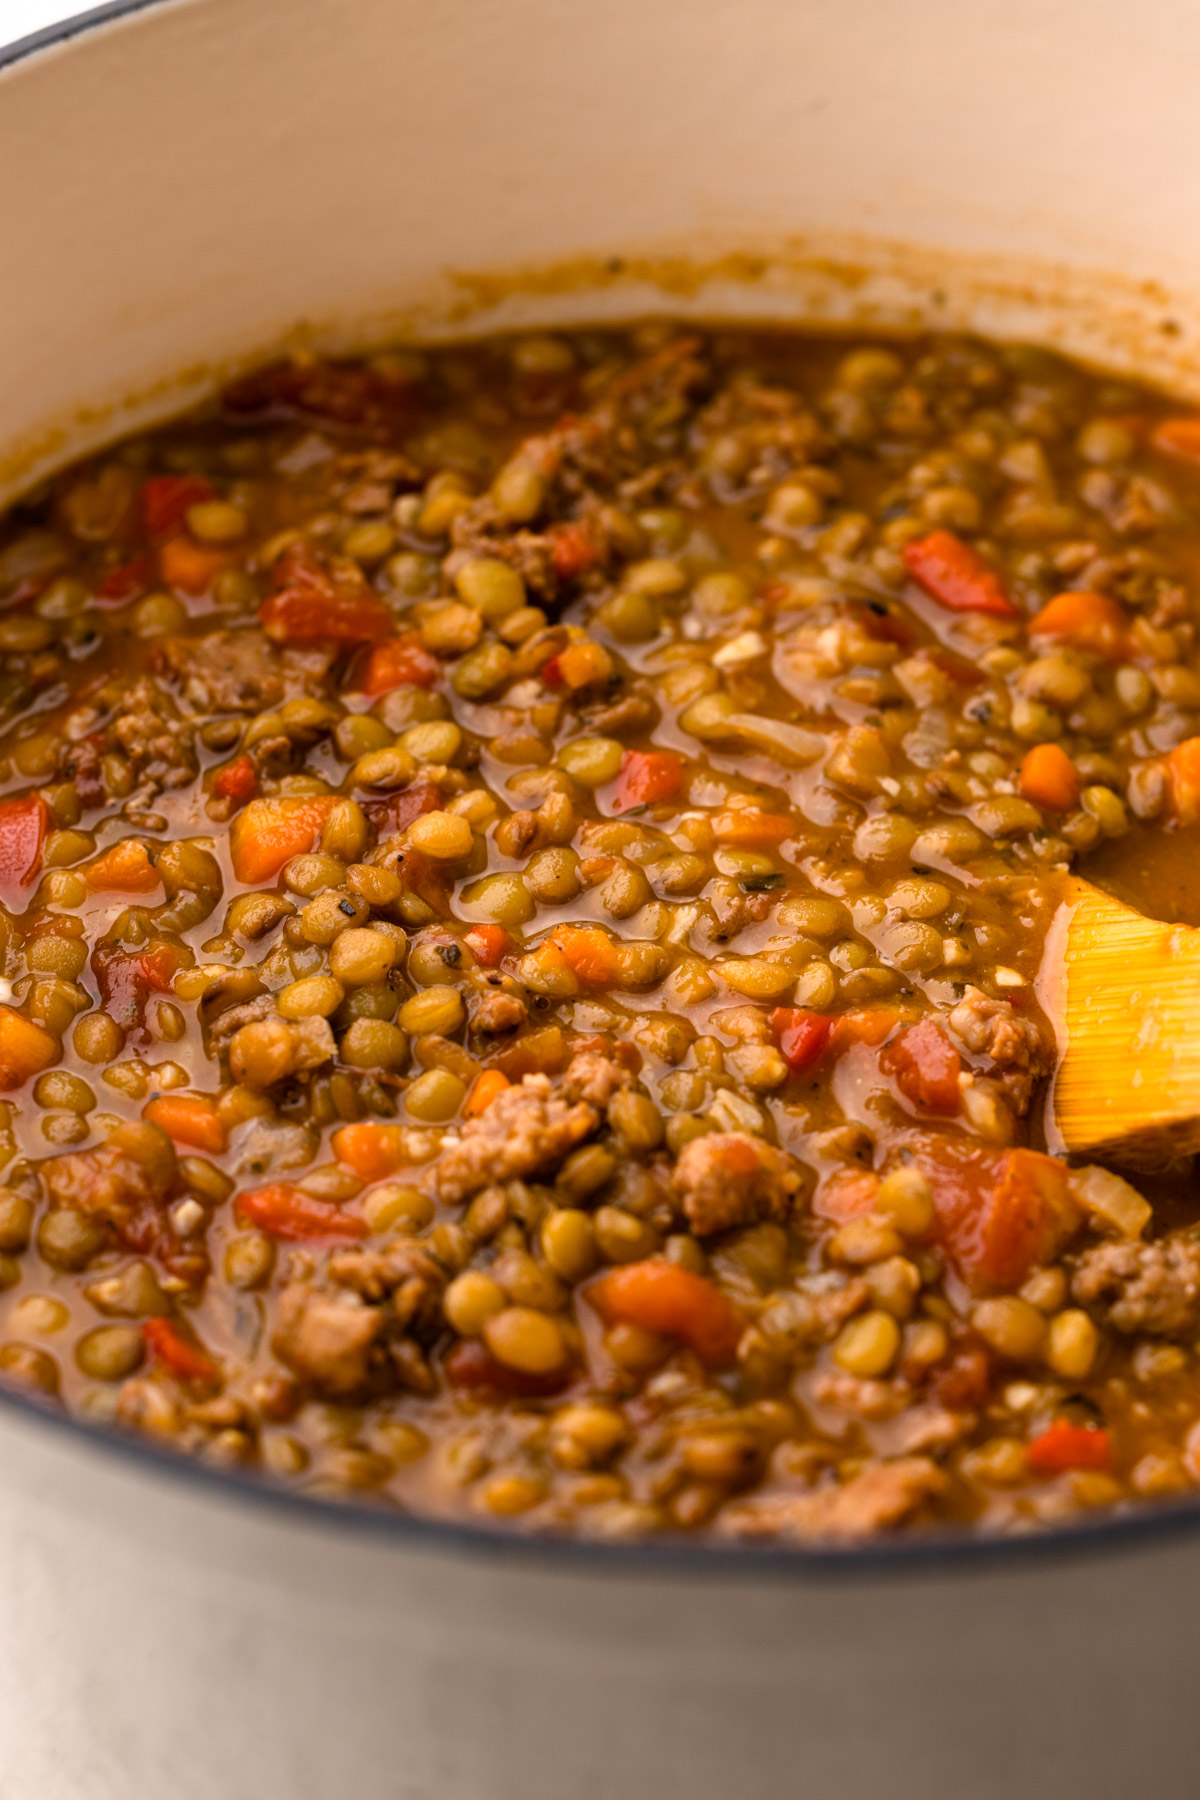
{"points": [[525, 871]]}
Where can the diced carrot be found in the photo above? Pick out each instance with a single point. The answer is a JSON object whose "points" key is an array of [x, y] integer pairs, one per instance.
{"points": [[1049, 778], [573, 550], [926, 1067], [955, 576], [488, 944], [189, 567], [269, 832], [663, 1297], [125, 869], [1182, 770], [190, 1119], [371, 1149], [583, 663], [177, 1354], [484, 1089], [399, 662], [587, 951], [25, 1048], [24, 823], [283, 1210], [802, 1036], [311, 602], [751, 830], [163, 501], [236, 781], [865, 1025], [1178, 437], [1085, 621], [647, 776], [1065, 1445]]}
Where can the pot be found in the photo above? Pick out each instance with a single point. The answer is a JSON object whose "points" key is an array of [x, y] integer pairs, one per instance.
{"points": [[204, 180]]}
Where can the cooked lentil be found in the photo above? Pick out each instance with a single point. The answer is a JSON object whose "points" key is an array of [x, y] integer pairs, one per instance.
{"points": [[524, 870]]}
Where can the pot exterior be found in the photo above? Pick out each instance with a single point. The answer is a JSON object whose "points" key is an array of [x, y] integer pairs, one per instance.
{"points": [[159, 1636]]}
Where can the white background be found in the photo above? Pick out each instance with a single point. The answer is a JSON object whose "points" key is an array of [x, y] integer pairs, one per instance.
{"points": [[19, 17]]}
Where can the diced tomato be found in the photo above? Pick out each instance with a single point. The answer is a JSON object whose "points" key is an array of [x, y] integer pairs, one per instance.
{"points": [[236, 781], [26, 1048], [283, 1210], [24, 822], [399, 662], [1087, 622], [647, 776], [190, 1119], [997, 1212], [802, 1036], [661, 1296], [471, 1365], [164, 501], [126, 581], [372, 1149], [127, 978], [955, 576], [847, 1194], [267, 833], [926, 1067], [488, 944], [551, 671], [177, 1354], [1065, 1445], [574, 550], [312, 603]]}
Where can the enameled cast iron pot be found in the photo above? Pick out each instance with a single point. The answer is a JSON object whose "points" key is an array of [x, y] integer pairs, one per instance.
{"points": [[189, 182]]}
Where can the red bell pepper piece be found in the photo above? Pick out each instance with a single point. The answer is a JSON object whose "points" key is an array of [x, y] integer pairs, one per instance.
{"points": [[237, 781], [24, 822], [399, 662], [181, 1358], [283, 1210], [802, 1036], [953, 575], [1065, 1445], [926, 1067], [312, 603]]}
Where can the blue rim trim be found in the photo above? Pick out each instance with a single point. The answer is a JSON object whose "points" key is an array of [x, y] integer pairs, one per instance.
{"points": [[941, 1552]]}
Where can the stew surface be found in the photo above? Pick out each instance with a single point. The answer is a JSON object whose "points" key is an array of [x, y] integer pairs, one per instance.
{"points": [[524, 869]]}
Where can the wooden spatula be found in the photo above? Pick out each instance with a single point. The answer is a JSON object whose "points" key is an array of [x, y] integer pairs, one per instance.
{"points": [[1123, 994]]}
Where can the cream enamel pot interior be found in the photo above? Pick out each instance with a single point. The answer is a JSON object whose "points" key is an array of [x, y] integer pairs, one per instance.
{"points": [[191, 182]]}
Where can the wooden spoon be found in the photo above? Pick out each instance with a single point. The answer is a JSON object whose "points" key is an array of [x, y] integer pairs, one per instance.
{"points": [[1123, 994]]}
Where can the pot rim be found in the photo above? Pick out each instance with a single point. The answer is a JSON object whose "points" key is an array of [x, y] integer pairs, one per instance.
{"points": [[943, 1551]]}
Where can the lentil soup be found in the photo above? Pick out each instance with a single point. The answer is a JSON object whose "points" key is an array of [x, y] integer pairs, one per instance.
{"points": [[523, 873]]}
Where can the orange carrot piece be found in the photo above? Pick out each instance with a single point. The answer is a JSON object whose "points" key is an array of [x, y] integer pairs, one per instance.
{"points": [[660, 1296], [371, 1149], [283, 1210], [188, 567], [399, 662], [588, 952], [488, 944], [125, 869], [1049, 778], [268, 833], [1087, 621], [485, 1088], [1178, 437], [751, 830], [177, 1354], [190, 1119], [25, 1048], [1182, 770], [956, 576]]}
